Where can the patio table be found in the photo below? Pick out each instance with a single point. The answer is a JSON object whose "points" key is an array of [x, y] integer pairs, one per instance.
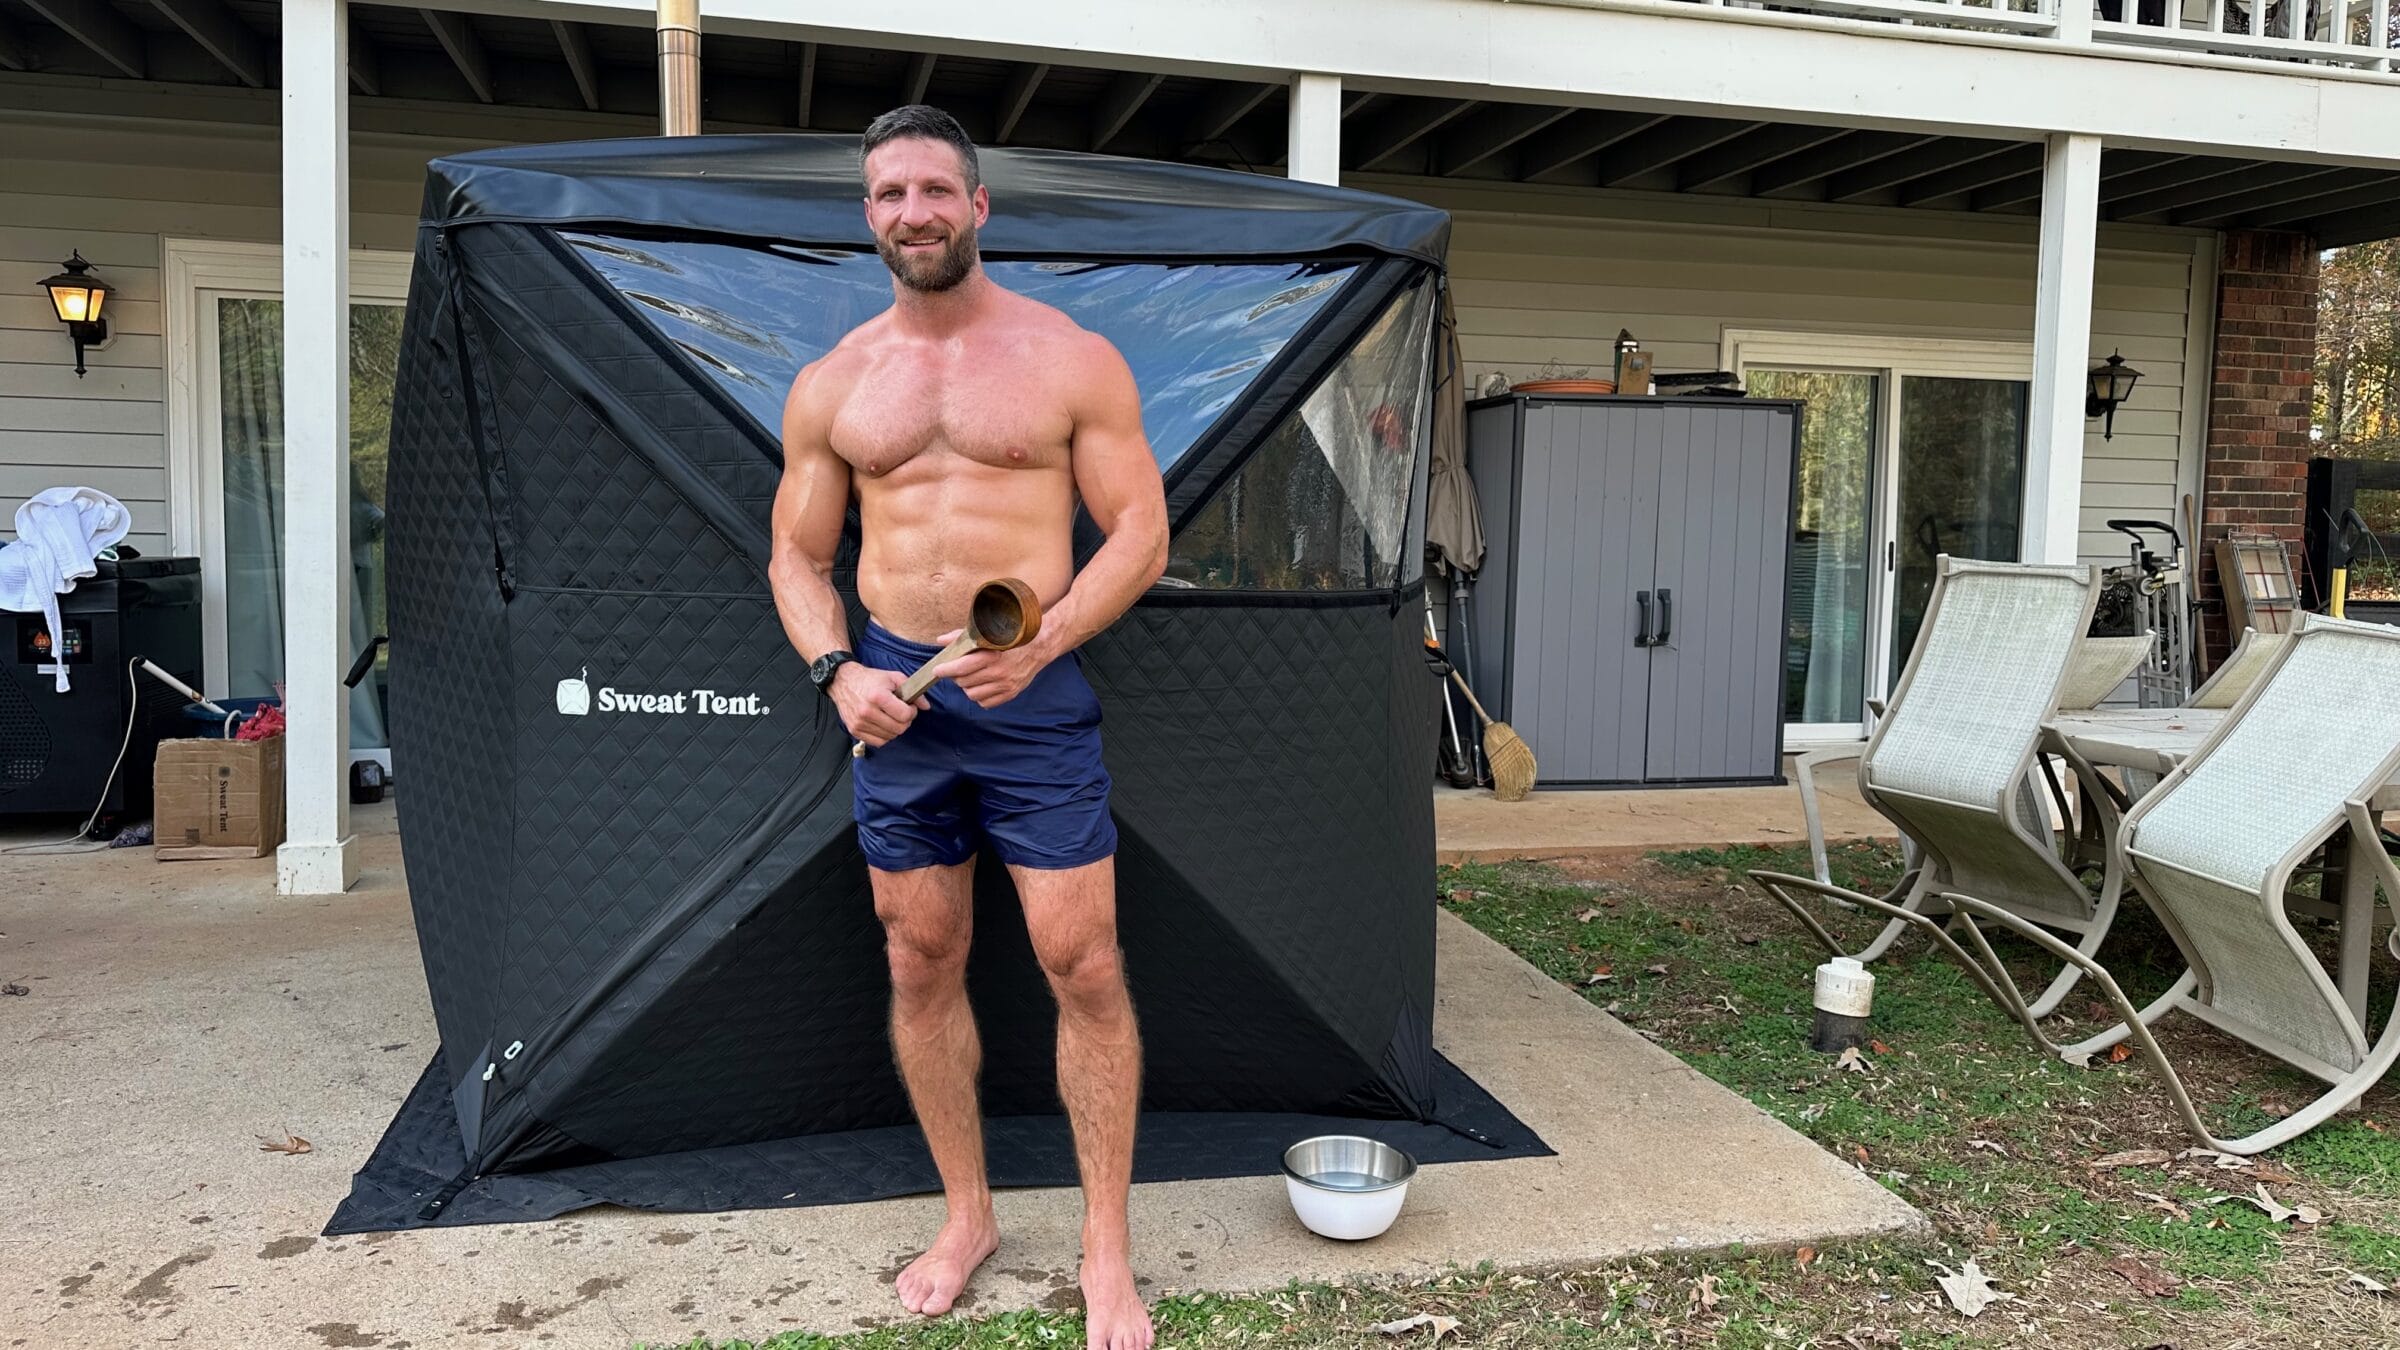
{"points": [[2155, 740]]}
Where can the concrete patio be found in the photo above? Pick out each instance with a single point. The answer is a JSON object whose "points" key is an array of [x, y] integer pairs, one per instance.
{"points": [[177, 1012], [1473, 825]]}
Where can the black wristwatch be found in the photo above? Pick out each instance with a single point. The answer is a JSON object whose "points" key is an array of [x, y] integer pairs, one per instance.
{"points": [[820, 671]]}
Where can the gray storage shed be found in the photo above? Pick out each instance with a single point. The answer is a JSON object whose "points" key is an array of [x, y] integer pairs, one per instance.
{"points": [[1629, 617]]}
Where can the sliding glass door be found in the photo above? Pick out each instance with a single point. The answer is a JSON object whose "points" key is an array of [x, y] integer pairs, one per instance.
{"points": [[1960, 487], [1902, 459], [243, 335]]}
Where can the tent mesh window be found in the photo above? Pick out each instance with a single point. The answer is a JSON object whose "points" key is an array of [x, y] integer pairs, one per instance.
{"points": [[1323, 505], [1196, 335]]}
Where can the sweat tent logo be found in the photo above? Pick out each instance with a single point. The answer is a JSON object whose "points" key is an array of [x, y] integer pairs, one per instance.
{"points": [[576, 698]]}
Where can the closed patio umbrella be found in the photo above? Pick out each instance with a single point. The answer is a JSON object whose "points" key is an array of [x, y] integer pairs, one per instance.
{"points": [[1453, 518]]}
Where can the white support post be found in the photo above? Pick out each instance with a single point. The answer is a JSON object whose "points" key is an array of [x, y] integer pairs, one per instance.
{"points": [[2075, 20], [318, 856], [2062, 338], [1315, 143]]}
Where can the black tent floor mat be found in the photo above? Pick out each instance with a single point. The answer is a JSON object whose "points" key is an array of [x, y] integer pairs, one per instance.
{"points": [[420, 1154]]}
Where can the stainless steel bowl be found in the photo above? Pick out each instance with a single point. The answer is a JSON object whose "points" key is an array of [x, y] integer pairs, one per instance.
{"points": [[1348, 1163]]}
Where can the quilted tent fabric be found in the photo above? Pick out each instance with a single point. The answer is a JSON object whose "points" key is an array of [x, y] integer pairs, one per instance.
{"points": [[645, 923]]}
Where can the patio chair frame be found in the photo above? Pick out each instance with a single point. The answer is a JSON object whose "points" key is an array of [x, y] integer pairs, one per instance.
{"points": [[2194, 991], [1916, 900]]}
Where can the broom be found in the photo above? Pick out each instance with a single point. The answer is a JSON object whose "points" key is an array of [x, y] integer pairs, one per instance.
{"points": [[1513, 769]]}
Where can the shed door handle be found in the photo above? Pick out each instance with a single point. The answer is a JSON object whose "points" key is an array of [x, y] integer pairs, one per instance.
{"points": [[1641, 632], [1666, 617]]}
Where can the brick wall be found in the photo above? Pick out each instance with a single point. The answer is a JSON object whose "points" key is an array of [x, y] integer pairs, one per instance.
{"points": [[2255, 479]]}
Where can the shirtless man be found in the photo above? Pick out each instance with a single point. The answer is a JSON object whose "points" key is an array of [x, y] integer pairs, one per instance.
{"points": [[967, 421]]}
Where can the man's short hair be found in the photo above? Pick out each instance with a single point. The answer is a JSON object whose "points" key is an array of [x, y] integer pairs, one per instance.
{"points": [[927, 122]]}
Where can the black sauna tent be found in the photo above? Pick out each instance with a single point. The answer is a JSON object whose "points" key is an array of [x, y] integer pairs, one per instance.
{"points": [[645, 923]]}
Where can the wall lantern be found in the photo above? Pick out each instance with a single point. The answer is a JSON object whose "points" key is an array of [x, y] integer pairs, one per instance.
{"points": [[76, 295], [2106, 386]]}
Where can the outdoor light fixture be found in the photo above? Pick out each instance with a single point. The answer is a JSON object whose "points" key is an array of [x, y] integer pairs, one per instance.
{"points": [[77, 296], [2108, 384]]}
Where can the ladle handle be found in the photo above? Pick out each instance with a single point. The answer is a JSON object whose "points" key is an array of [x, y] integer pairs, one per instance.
{"points": [[922, 678]]}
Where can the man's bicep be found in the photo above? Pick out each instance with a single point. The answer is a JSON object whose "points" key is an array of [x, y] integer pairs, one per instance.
{"points": [[1116, 473], [815, 491]]}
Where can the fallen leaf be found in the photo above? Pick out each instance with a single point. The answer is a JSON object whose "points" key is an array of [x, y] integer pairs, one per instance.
{"points": [[2372, 1126], [1749, 939], [2137, 1157], [14, 990], [290, 1143], [1852, 1061], [1987, 1146], [1442, 1326], [2274, 1209], [1879, 1047], [2119, 1053], [2146, 1278], [2268, 1172], [1704, 1293], [1587, 914], [2174, 1211], [1659, 969], [2370, 1283], [1968, 1288], [1599, 975], [1860, 1150], [1802, 1257], [2224, 1162], [1461, 896]]}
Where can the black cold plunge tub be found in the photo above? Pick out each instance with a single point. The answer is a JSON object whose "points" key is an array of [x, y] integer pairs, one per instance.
{"points": [[647, 934]]}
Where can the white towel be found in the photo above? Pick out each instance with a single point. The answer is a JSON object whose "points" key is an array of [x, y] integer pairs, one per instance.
{"points": [[59, 533]]}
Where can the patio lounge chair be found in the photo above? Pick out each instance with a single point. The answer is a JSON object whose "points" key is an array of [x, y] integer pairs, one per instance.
{"points": [[1952, 764], [2212, 849], [2099, 667], [2235, 675]]}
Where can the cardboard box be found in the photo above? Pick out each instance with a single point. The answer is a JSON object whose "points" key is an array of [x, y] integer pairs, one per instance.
{"points": [[218, 799]]}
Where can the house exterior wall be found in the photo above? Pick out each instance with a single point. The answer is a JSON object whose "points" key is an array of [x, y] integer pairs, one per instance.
{"points": [[1541, 274], [2259, 415], [117, 194]]}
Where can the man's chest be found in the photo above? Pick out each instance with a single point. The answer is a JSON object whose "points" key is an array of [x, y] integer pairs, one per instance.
{"points": [[1001, 413]]}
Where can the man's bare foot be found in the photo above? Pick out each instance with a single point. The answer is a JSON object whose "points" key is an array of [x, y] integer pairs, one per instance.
{"points": [[934, 1280], [1114, 1318]]}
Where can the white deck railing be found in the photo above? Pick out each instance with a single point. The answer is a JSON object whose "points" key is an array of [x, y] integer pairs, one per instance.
{"points": [[2353, 34], [2357, 33]]}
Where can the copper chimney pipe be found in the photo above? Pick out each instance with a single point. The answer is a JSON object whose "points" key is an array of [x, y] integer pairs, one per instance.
{"points": [[678, 67]]}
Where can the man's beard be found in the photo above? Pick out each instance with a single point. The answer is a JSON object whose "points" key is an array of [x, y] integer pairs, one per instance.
{"points": [[935, 274]]}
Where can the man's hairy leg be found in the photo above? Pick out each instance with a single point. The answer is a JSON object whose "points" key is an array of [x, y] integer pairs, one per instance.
{"points": [[928, 920], [1072, 918]]}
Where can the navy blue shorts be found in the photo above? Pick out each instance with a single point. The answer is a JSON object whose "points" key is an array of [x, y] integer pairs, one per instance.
{"points": [[1026, 775]]}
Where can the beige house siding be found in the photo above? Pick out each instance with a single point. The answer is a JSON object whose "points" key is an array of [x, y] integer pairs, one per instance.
{"points": [[1543, 277], [118, 193]]}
